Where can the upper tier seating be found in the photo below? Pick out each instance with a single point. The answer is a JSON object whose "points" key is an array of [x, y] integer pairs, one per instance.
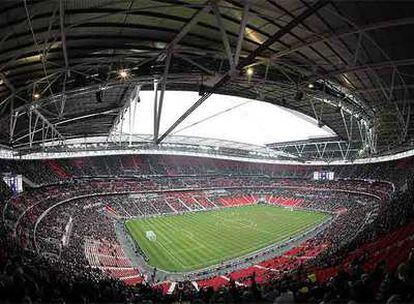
{"points": [[53, 171]]}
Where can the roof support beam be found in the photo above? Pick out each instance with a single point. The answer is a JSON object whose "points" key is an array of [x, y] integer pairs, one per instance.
{"points": [[192, 62], [259, 50], [348, 134], [63, 35], [184, 30], [3, 105], [242, 28], [63, 96], [284, 30], [184, 116], [155, 106], [45, 130], [65, 55], [90, 115], [159, 102], [13, 120], [46, 125], [315, 113], [224, 36], [323, 150]]}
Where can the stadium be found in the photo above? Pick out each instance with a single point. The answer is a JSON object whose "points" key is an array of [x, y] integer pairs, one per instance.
{"points": [[206, 151]]}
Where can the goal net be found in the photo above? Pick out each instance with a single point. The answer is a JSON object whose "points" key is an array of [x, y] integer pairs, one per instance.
{"points": [[151, 235]]}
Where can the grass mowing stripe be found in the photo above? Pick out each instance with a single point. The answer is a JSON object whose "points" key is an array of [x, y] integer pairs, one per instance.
{"points": [[196, 240], [181, 239], [247, 238]]}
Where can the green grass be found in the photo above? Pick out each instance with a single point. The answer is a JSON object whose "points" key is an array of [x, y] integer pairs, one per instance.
{"points": [[197, 240]]}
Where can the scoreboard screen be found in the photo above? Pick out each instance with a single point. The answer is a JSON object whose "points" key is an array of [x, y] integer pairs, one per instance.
{"points": [[14, 182], [323, 175]]}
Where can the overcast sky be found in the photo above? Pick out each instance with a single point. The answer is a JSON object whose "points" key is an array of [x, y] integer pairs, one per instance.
{"points": [[226, 117]]}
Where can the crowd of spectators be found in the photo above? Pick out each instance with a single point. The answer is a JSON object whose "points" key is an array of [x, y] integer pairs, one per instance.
{"points": [[28, 278], [64, 275], [44, 172]]}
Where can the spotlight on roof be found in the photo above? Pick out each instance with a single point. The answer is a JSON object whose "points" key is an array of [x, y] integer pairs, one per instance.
{"points": [[123, 74], [249, 71], [311, 86], [36, 95]]}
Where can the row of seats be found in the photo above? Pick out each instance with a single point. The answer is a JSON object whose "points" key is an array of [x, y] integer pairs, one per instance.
{"points": [[53, 171]]}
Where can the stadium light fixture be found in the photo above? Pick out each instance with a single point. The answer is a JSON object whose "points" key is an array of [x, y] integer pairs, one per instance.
{"points": [[123, 74]]}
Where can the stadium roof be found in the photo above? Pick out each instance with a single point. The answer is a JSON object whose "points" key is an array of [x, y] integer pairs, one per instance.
{"points": [[347, 64], [222, 117]]}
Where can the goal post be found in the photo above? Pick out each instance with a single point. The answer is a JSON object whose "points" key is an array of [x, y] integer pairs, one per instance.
{"points": [[150, 235]]}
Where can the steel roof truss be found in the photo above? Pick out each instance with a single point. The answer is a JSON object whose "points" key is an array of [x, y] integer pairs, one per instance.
{"points": [[224, 36], [158, 102], [33, 128], [249, 60], [196, 64], [242, 28], [63, 36]]}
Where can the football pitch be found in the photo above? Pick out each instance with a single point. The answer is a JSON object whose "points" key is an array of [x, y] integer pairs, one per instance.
{"points": [[197, 240]]}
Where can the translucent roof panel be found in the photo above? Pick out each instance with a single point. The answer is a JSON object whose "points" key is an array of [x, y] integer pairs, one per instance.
{"points": [[224, 117]]}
